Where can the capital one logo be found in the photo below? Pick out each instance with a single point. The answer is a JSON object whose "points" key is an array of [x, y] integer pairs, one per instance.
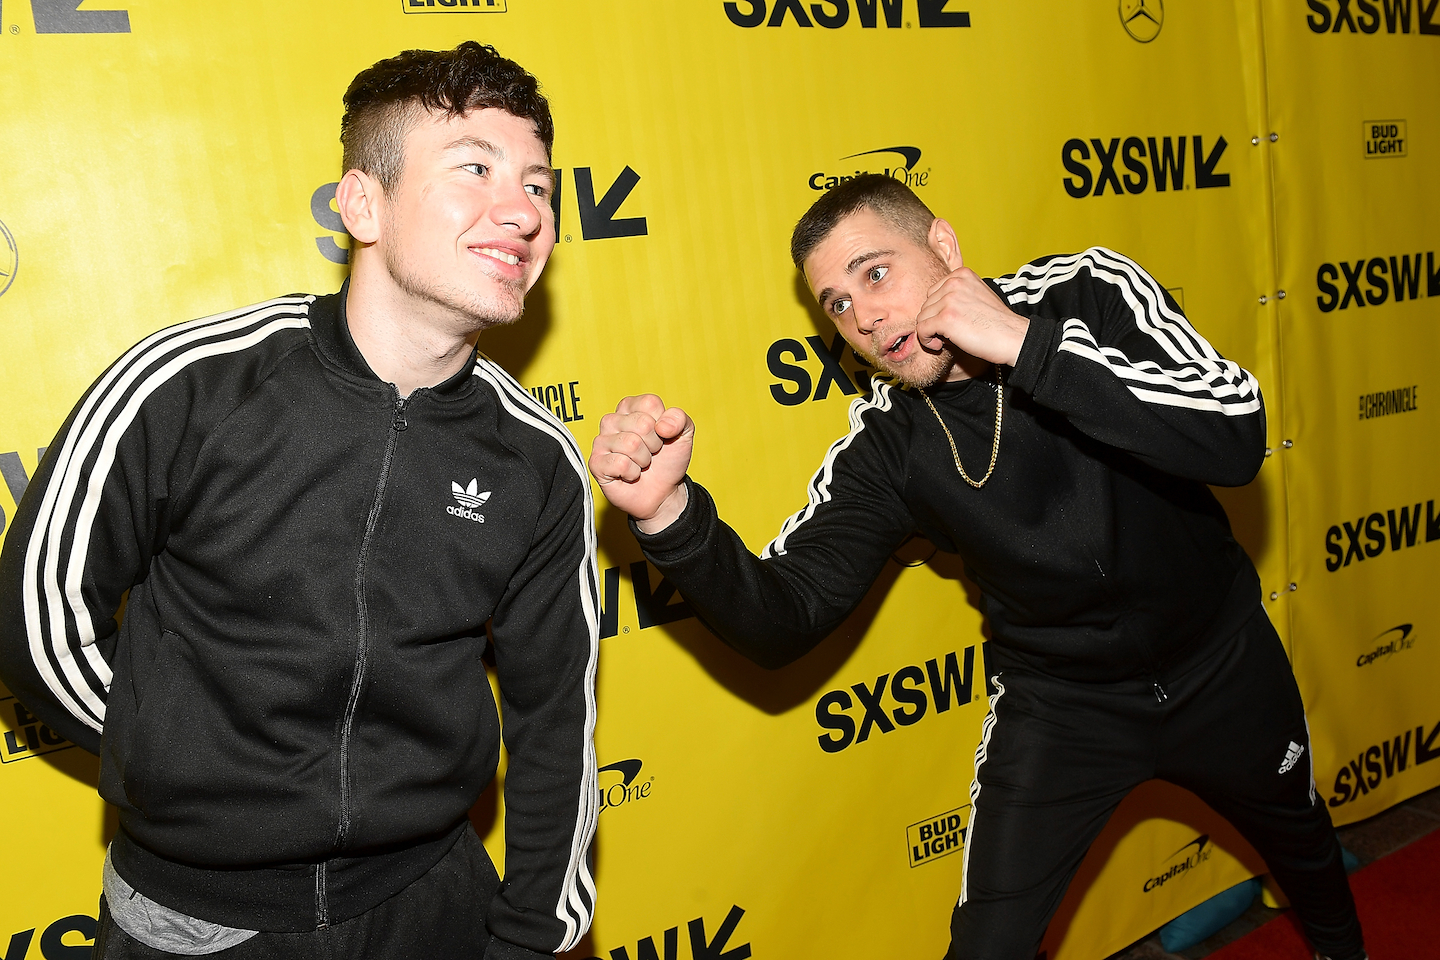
{"points": [[65, 16], [1183, 861], [598, 220]]}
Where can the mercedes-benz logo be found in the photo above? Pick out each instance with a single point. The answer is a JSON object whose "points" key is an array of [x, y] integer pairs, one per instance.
{"points": [[1142, 19], [9, 259]]}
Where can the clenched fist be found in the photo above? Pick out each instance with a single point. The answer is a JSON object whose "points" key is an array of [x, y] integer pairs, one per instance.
{"points": [[640, 459]]}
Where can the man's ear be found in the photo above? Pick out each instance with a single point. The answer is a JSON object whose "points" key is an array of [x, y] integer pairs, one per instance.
{"points": [[362, 202], [946, 245]]}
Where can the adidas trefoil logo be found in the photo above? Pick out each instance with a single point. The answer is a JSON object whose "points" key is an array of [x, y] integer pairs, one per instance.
{"points": [[469, 499], [1292, 757]]}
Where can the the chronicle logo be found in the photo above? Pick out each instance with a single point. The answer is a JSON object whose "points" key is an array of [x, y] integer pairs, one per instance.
{"points": [[1142, 19], [752, 13], [907, 174], [628, 789], [1166, 168], [1392, 641], [938, 836], [453, 6], [9, 259], [1383, 139], [1366, 536], [1320, 19], [469, 499], [1182, 861], [1383, 403]]}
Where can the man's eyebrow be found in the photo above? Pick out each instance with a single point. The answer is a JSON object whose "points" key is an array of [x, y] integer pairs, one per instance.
{"points": [[541, 170], [498, 152], [850, 268], [494, 150], [854, 264]]}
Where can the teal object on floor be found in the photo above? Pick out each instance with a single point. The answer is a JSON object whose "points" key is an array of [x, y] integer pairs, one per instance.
{"points": [[1201, 920]]}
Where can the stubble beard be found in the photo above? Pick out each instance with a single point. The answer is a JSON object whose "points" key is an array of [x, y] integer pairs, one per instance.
{"points": [[474, 311], [924, 369]]}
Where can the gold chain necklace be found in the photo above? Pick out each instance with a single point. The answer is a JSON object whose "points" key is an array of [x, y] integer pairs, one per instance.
{"points": [[994, 447]]}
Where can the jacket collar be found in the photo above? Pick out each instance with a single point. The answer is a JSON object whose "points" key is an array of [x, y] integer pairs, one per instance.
{"points": [[332, 337]]}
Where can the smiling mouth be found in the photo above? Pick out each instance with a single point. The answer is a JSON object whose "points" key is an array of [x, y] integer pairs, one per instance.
{"points": [[500, 255]]}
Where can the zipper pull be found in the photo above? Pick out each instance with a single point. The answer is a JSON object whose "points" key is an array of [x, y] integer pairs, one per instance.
{"points": [[398, 421], [1160, 695]]}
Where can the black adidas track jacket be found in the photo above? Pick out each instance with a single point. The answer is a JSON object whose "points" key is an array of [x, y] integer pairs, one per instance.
{"points": [[1100, 551], [293, 717]]}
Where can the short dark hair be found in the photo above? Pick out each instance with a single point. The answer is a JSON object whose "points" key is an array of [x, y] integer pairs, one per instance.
{"points": [[384, 102], [888, 197]]}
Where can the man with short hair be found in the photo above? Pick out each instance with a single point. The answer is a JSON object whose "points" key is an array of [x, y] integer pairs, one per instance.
{"points": [[317, 505], [1056, 428]]}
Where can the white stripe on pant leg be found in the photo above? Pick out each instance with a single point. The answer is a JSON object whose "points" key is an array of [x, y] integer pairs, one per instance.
{"points": [[980, 755]]}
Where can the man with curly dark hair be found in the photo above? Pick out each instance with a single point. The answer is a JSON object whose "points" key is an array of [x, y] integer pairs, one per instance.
{"points": [[326, 510]]}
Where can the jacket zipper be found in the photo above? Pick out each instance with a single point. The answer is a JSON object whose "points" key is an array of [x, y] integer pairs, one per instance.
{"points": [[398, 424]]}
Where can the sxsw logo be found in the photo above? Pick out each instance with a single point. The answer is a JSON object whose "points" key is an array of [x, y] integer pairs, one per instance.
{"points": [[1335, 16], [702, 945], [1182, 861], [785, 356], [1381, 761], [655, 604], [26, 737], [906, 687], [834, 14], [1366, 537], [936, 837], [16, 479], [453, 6], [1396, 278], [65, 16], [1165, 169], [1384, 139], [53, 944], [907, 174], [628, 789]]}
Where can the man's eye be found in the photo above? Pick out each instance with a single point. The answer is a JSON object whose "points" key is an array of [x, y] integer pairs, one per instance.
{"points": [[479, 169], [877, 274], [537, 190], [840, 306]]}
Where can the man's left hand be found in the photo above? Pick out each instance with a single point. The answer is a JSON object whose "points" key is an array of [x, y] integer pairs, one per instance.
{"points": [[962, 310]]}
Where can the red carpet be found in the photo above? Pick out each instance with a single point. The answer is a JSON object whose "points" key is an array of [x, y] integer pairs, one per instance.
{"points": [[1398, 898]]}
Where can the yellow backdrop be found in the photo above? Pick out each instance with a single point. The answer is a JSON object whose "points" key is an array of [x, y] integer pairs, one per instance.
{"points": [[166, 161]]}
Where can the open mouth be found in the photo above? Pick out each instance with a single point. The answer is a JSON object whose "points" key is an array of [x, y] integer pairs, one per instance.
{"points": [[500, 255], [898, 344]]}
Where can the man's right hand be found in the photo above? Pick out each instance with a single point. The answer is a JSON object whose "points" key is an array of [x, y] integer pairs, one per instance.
{"points": [[640, 459]]}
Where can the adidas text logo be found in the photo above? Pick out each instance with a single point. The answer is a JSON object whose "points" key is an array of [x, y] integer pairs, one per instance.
{"points": [[1292, 756], [469, 499]]}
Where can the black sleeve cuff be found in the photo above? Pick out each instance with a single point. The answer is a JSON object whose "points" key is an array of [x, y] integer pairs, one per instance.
{"points": [[1035, 354], [690, 525]]}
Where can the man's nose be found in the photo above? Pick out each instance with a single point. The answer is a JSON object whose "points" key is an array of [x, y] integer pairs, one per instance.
{"points": [[515, 207]]}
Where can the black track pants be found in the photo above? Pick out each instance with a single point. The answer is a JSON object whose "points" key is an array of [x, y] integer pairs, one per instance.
{"points": [[1057, 757], [440, 916]]}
